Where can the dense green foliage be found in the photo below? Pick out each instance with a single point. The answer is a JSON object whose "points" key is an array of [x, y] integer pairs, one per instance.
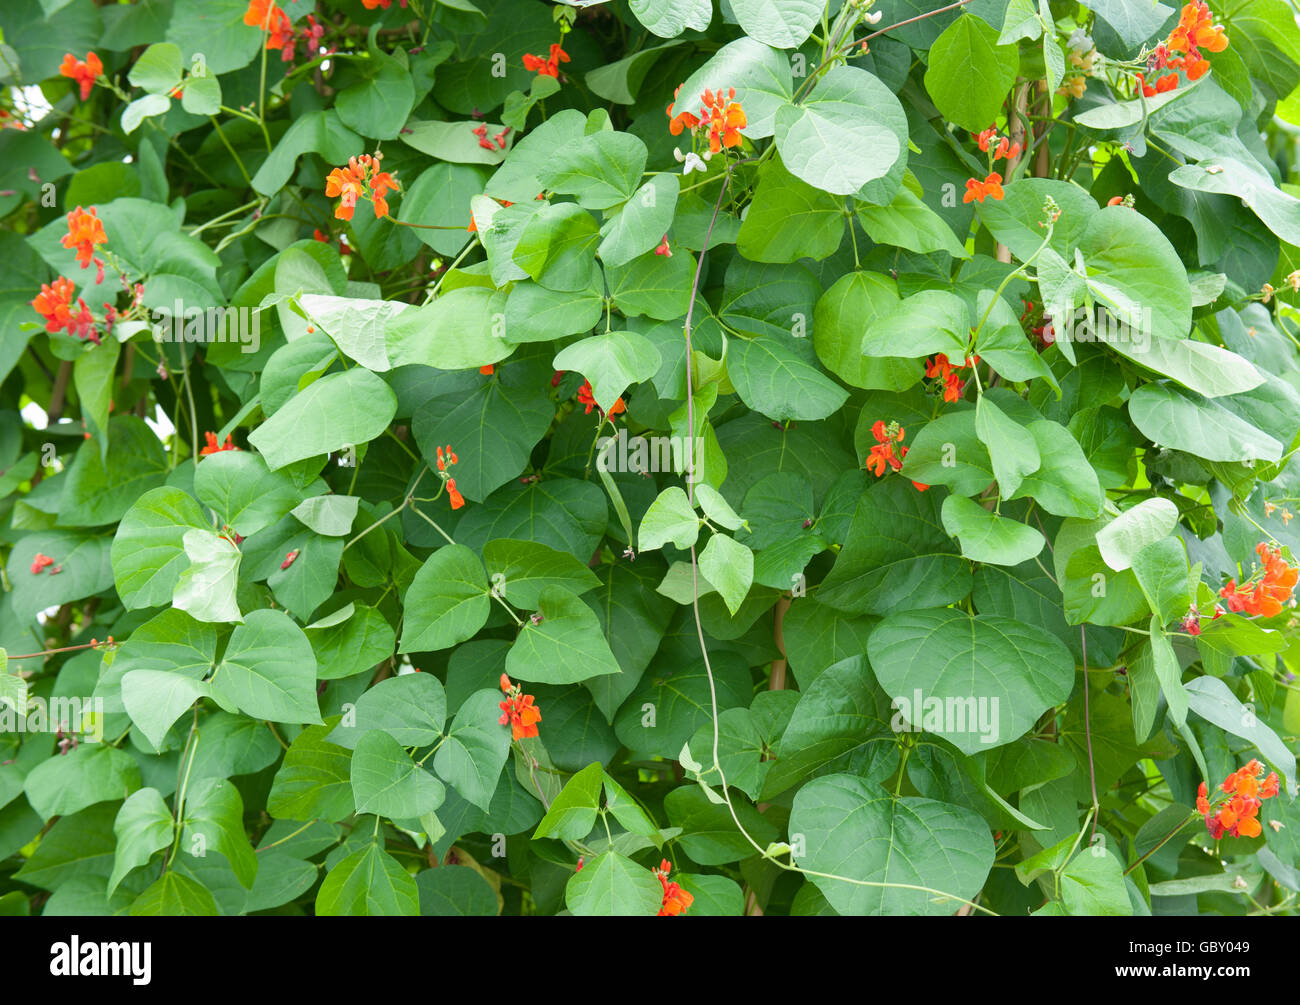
{"points": [[940, 554]]}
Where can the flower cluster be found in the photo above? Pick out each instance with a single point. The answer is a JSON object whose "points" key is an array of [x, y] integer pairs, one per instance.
{"points": [[85, 233], [361, 179], [1267, 594], [722, 117], [997, 147], [548, 67], [1270, 508], [676, 900], [271, 19], [84, 72], [950, 374], [882, 455], [585, 397], [54, 304], [1238, 815], [1182, 50], [481, 132], [215, 447], [448, 458], [518, 711], [42, 562]]}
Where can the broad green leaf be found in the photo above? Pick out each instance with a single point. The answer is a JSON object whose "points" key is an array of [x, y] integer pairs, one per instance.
{"points": [[268, 670], [368, 883], [475, 749], [729, 566], [155, 699], [447, 602], [573, 812], [143, 826], [386, 782], [909, 223], [214, 819], [669, 518], [522, 570], [314, 780], [642, 222], [970, 73], [983, 680], [411, 708], [337, 411], [778, 376], [613, 886], [174, 895], [861, 833], [562, 643], [789, 219], [1147, 522], [206, 587], [611, 362], [988, 537], [91, 773], [1012, 448]]}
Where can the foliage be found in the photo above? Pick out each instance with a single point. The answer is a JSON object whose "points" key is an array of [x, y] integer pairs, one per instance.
{"points": [[450, 468]]}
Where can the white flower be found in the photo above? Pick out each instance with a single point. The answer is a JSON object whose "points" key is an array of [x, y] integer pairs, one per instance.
{"points": [[693, 163], [873, 18]]}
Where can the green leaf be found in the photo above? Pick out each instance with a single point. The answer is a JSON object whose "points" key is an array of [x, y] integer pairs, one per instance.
{"points": [[562, 643], [155, 699], [314, 780], [411, 708], [368, 883], [173, 896], [461, 329], [896, 555], [85, 570], [729, 566], [523, 570], [214, 817], [844, 134], [968, 52], [990, 676], [1093, 884], [613, 886], [1147, 522], [557, 246], [243, 492], [601, 170], [1183, 420], [573, 812], [778, 376], [862, 834], [642, 222], [447, 601], [789, 219], [475, 750], [669, 518], [935, 321], [611, 362], [206, 587], [339, 410], [455, 893], [1065, 483], [143, 826], [709, 834], [386, 782], [158, 69], [268, 670], [669, 18], [91, 773], [988, 537], [1012, 448], [909, 223]]}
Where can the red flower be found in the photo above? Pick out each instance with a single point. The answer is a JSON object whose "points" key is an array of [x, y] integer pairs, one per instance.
{"points": [[214, 447], [457, 500], [990, 187], [481, 132], [1238, 815], [676, 900], [266, 15], [952, 383], [882, 455], [359, 180], [487, 369], [54, 303], [663, 248], [85, 233], [684, 120], [725, 118], [84, 73], [289, 559], [519, 711], [40, 562], [1272, 591], [549, 67], [585, 397]]}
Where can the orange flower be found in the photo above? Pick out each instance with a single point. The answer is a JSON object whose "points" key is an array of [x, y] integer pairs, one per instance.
{"points": [[952, 382], [289, 559], [85, 232], [882, 454], [1196, 29], [663, 248], [684, 120], [54, 303], [585, 397], [549, 67], [1271, 593], [361, 179], [977, 190], [457, 500], [519, 711], [84, 73], [40, 562], [1238, 815], [487, 369], [676, 900], [214, 447], [725, 118], [266, 15]]}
